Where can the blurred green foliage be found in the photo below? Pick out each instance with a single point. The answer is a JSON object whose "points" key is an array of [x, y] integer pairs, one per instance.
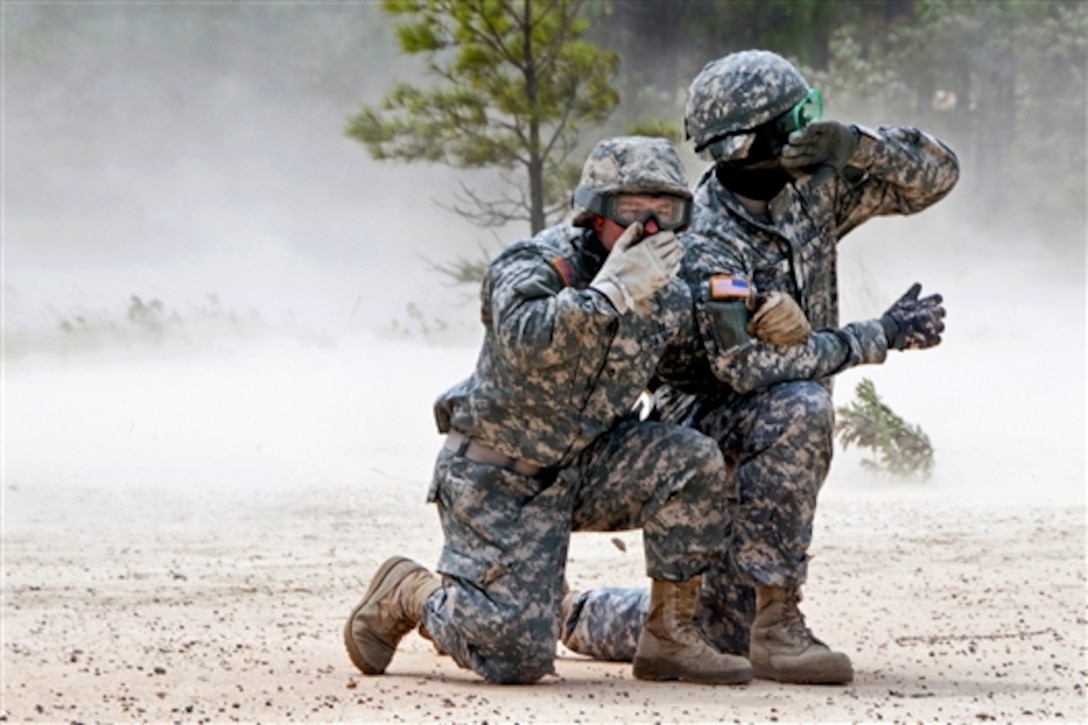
{"points": [[512, 85], [1003, 81], [899, 448]]}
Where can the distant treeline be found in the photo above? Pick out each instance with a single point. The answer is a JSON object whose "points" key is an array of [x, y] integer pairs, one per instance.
{"points": [[1003, 80]]}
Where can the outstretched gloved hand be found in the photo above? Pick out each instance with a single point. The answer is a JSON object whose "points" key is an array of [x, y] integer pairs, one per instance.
{"points": [[636, 267], [912, 323], [779, 320], [820, 143]]}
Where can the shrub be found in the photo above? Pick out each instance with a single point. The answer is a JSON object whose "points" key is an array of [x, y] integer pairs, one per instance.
{"points": [[899, 448]]}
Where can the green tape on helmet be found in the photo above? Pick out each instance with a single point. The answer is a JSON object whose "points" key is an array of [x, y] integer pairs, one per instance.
{"points": [[808, 109]]}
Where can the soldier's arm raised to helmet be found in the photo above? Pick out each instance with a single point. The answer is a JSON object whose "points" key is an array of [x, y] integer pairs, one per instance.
{"points": [[893, 170], [537, 321]]}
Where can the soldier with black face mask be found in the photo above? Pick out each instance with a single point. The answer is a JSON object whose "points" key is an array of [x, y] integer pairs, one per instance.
{"points": [[784, 188]]}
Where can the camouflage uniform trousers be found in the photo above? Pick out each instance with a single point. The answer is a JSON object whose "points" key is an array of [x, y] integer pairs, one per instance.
{"points": [[778, 446], [507, 536]]}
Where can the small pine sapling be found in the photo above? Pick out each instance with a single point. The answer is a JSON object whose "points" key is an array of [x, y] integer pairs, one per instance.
{"points": [[899, 448]]}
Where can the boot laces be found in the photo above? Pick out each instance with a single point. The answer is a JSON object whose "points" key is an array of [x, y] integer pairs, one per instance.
{"points": [[794, 621]]}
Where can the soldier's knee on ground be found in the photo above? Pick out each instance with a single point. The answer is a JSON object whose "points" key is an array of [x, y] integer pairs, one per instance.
{"points": [[523, 667], [518, 650]]}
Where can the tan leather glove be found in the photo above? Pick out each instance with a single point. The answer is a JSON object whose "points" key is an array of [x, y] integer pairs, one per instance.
{"points": [[636, 268], [778, 320]]}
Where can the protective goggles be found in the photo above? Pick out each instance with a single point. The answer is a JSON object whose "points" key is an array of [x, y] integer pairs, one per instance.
{"points": [[668, 211], [808, 109]]}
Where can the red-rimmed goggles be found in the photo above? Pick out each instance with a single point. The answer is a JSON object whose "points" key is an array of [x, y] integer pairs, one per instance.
{"points": [[669, 211]]}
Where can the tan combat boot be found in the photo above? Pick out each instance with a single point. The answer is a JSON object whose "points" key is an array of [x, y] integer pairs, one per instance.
{"points": [[393, 605], [784, 649], [671, 646]]}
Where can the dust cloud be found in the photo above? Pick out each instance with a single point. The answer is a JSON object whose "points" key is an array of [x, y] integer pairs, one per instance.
{"points": [[302, 336], [176, 152]]}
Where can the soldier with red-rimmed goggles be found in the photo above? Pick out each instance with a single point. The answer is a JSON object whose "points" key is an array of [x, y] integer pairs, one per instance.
{"points": [[656, 212]]}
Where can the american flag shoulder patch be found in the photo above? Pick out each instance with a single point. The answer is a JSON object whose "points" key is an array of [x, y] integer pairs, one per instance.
{"points": [[724, 287], [565, 270]]}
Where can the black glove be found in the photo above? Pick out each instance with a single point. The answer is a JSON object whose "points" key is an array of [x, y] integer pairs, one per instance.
{"points": [[821, 143], [912, 323]]}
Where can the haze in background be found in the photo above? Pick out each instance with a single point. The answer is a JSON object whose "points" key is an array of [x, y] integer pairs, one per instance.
{"points": [[194, 154], [177, 151]]}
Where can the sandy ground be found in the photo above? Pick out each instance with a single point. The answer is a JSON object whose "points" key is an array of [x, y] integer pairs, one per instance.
{"points": [[184, 537]]}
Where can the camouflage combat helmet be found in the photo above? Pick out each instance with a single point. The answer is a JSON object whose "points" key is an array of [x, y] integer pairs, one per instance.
{"points": [[735, 94], [628, 164]]}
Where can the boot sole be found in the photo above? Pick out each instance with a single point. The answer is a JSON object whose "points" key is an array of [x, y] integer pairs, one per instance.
{"points": [[831, 677], [664, 671], [377, 587]]}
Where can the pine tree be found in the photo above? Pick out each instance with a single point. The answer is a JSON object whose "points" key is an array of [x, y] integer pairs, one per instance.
{"points": [[516, 80], [899, 448]]}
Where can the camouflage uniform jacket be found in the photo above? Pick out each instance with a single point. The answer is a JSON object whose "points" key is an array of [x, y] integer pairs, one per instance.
{"points": [[559, 365], [894, 170]]}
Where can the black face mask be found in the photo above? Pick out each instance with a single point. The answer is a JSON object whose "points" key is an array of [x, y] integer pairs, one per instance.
{"points": [[760, 183], [757, 175]]}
